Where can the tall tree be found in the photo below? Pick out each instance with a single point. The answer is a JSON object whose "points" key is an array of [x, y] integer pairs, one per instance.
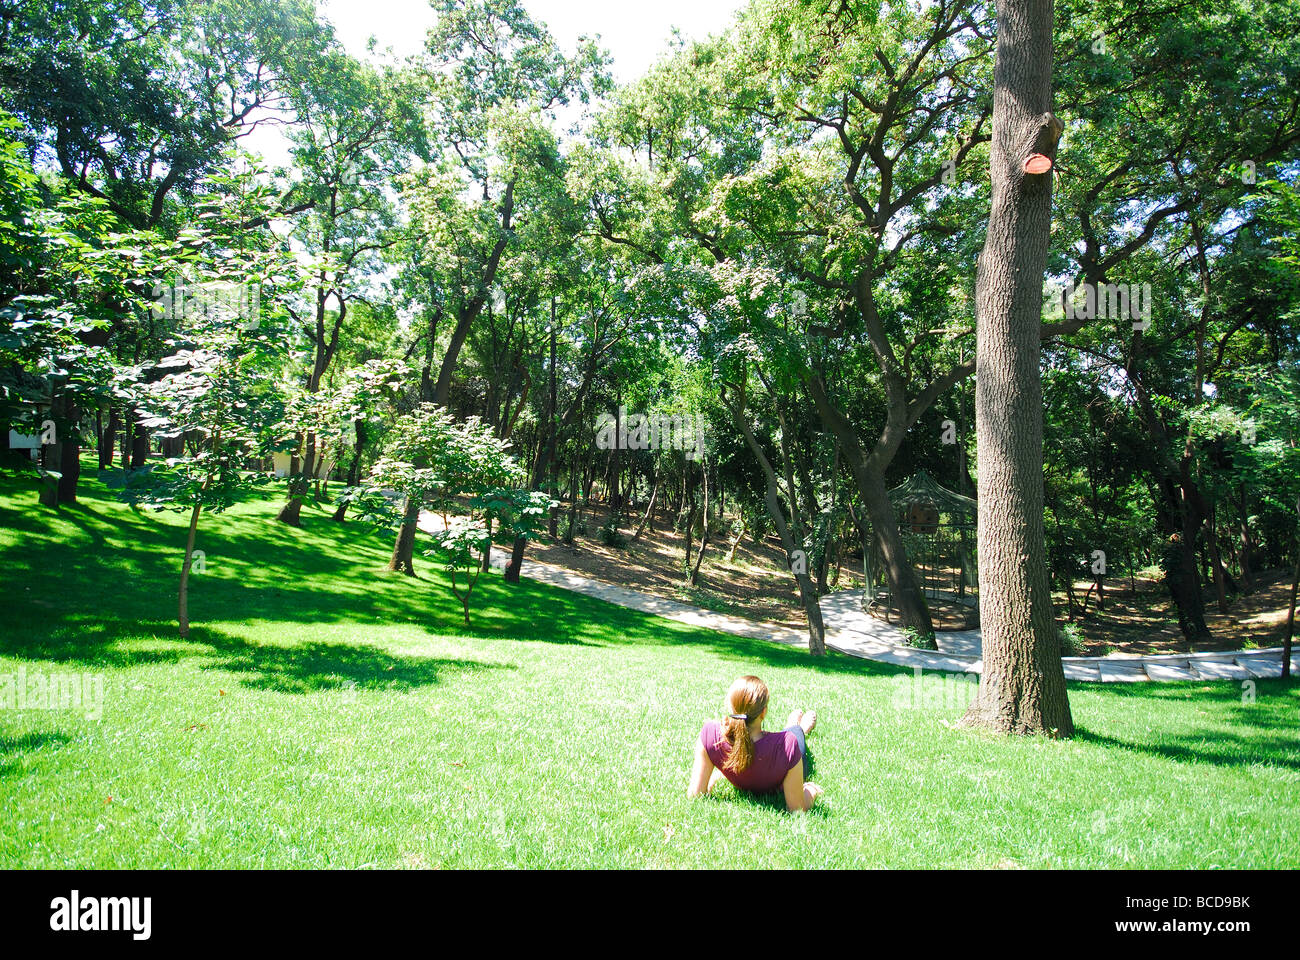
{"points": [[1022, 688], [135, 100], [357, 129], [822, 139], [496, 79]]}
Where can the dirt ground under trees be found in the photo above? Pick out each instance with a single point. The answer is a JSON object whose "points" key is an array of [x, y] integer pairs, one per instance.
{"points": [[754, 584]]}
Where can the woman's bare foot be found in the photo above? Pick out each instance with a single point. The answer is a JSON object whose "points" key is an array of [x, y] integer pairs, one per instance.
{"points": [[808, 720], [796, 717]]}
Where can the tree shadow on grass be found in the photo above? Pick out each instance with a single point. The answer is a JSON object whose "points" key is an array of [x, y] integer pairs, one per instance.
{"points": [[13, 749], [99, 642], [1200, 747], [309, 667], [1272, 732], [114, 576], [300, 667], [1274, 703]]}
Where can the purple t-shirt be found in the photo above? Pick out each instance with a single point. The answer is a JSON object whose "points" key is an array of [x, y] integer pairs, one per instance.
{"points": [[774, 755]]}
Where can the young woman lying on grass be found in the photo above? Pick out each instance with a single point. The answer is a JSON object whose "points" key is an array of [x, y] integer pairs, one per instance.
{"points": [[755, 761]]}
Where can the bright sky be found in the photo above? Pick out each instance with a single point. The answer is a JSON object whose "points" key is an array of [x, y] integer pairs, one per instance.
{"points": [[635, 33]]}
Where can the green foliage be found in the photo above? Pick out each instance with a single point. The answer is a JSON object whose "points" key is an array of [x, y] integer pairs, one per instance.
{"points": [[611, 536], [136, 102], [435, 462], [65, 272], [217, 385], [1072, 644]]}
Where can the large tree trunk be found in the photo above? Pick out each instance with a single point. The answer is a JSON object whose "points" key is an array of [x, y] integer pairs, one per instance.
{"points": [[403, 557], [904, 588], [1022, 689]]}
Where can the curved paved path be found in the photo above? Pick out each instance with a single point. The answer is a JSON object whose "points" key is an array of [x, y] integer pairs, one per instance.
{"points": [[852, 631]]}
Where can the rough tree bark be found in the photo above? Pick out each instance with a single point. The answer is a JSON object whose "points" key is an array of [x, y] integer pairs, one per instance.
{"points": [[403, 558], [1022, 689]]}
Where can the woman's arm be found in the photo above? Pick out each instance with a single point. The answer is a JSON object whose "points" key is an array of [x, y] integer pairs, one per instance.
{"points": [[701, 772], [792, 785], [799, 795]]}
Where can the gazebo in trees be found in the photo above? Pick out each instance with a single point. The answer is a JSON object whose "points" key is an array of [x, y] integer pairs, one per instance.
{"points": [[938, 528]]}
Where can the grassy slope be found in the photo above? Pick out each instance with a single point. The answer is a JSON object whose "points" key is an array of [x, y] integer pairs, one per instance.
{"points": [[325, 714]]}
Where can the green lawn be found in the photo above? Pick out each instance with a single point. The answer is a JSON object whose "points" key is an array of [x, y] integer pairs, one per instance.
{"points": [[326, 714]]}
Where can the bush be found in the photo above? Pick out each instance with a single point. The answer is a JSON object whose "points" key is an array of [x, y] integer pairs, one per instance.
{"points": [[1072, 644], [913, 638], [610, 535]]}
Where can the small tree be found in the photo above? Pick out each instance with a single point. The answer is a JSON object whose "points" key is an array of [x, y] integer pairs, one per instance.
{"points": [[516, 513], [433, 462], [219, 390], [429, 461]]}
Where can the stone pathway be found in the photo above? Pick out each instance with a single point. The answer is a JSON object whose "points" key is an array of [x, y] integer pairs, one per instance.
{"points": [[851, 630], [960, 650]]}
